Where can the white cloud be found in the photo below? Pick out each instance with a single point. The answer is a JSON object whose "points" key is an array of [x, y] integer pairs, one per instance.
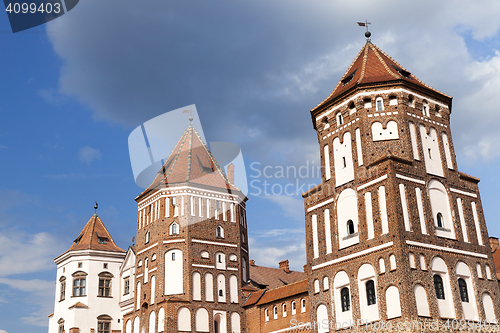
{"points": [[24, 253], [292, 207], [3, 331], [35, 292], [88, 154]]}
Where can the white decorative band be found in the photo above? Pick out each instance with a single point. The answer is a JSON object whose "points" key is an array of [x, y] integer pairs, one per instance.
{"points": [[153, 269], [203, 266], [213, 243], [138, 276], [354, 255], [148, 248], [244, 250], [379, 179], [173, 241], [474, 195], [447, 249], [319, 205], [410, 179], [232, 269]]}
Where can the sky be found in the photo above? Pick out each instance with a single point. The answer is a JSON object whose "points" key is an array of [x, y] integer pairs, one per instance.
{"points": [[72, 90]]}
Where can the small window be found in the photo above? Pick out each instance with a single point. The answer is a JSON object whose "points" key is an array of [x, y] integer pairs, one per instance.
{"points": [[80, 265], [350, 227], [219, 258], [352, 108], [284, 309], [462, 286], [205, 254], [221, 293], [174, 201], [345, 299], [370, 292], [79, 287], [140, 263], [153, 258], [61, 327], [411, 101], [393, 100], [219, 232], [103, 327], [440, 220], [339, 118], [429, 151], [174, 229], [149, 209], [173, 256], [380, 104], [294, 308], [344, 162], [217, 204], [367, 103], [266, 314], [104, 287], [303, 305], [438, 286], [62, 291], [348, 78], [105, 265], [425, 109], [275, 312], [147, 237], [126, 286]]}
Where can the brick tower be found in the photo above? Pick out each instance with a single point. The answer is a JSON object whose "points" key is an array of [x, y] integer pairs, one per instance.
{"points": [[192, 251], [394, 231]]}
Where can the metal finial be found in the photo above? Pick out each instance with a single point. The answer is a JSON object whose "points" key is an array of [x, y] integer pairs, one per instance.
{"points": [[368, 34], [96, 206], [190, 114]]}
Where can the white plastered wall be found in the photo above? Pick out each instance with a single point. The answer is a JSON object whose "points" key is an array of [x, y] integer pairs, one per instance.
{"points": [[441, 204], [174, 280], [342, 155], [347, 209], [469, 308], [390, 132], [368, 312], [432, 154], [340, 281], [446, 306]]}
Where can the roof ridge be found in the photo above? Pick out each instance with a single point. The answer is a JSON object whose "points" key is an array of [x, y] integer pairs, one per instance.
{"points": [[375, 50], [413, 76], [190, 153], [338, 84], [288, 285], [363, 64]]}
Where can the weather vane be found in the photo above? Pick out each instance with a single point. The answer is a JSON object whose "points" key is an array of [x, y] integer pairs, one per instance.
{"points": [[367, 33], [190, 114]]}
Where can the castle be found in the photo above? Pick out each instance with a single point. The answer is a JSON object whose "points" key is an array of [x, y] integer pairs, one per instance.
{"points": [[394, 232]]}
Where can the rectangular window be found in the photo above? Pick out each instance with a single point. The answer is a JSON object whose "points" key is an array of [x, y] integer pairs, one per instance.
{"points": [[103, 327], [126, 286], [173, 256], [62, 295], [79, 287], [104, 287], [80, 265], [61, 328]]}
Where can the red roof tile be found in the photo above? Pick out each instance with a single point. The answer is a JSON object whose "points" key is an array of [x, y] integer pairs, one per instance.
{"points": [[372, 65], [293, 289], [191, 162], [274, 277], [95, 236]]}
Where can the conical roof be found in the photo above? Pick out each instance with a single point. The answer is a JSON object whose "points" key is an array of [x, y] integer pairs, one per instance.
{"points": [[95, 236], [372, 66], [191, 162]]}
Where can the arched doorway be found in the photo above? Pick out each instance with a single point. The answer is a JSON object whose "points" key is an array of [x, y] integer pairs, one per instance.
{"points": [[217, 323]]}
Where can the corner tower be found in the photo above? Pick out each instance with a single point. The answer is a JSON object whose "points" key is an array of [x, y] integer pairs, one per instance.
{"points": [[192, 250], [394, 230]]}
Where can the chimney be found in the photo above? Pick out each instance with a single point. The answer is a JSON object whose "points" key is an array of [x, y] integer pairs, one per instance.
{"points": [[284, 266], [230, 173], [494, 243], [252, 262]]}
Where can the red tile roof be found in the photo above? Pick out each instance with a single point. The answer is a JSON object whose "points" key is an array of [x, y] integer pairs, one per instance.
{"points": [[293, 289], [273, 277], [191, 162], [94, 236], [372, 65], [253, 298], [79, 305]]}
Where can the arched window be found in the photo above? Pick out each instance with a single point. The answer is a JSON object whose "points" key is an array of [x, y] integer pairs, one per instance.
{"points": [[462, 286], [146, 270], [174, 229], [352, 108], [275, 312], [219, 233], [350, 227], [266, 314], [425, 109], [316, 286], [147, 237], [411, 101], [339, 118], [380, 104], [326, 283], [294, 308], [346, 300], [370, 292], [440, 220], [303, 305], [438, 286], [284, 309]]}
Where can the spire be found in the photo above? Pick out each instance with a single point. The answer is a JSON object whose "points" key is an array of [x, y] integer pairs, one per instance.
{"points": [[191, 162], [373, 67], [94, 236]]}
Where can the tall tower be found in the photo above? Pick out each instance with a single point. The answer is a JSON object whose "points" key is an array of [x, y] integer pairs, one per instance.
{"points": [[394, 230], [88, 283], [192, 247]]}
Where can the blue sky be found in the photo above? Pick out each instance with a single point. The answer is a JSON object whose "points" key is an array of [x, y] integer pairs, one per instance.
{"points": [[73, 90]]}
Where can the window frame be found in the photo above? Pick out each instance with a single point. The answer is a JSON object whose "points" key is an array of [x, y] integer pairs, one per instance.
{"points": [[346, 306], [126, 285], [439, 286], [62, 288], [104, 289], [462, 290], [79, 276], [371, 297]]}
